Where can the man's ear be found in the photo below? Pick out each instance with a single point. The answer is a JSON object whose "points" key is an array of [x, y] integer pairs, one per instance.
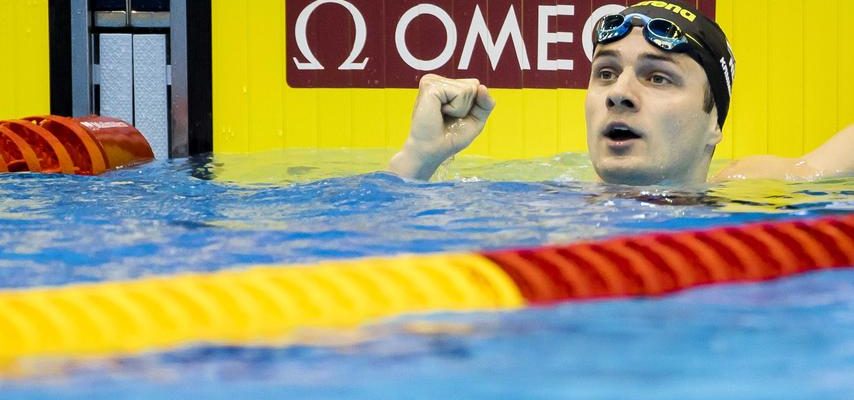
{"points": [[715, 130]]}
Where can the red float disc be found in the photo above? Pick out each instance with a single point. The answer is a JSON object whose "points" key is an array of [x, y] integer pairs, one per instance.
{"points": [[20, 156], [51, 152], [84, 150]]}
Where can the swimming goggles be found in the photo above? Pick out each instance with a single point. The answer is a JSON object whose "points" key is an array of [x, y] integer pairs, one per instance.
{"points": [[662, 33]]}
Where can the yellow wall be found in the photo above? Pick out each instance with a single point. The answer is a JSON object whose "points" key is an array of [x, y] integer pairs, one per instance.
{"points": [[793, 89], [25, 67]]}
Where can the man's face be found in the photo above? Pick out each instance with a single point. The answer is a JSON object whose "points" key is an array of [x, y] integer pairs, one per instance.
{"points": [[645, 118]]}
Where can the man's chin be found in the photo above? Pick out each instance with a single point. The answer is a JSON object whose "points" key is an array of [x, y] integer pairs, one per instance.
{"points": [[626, 171]]}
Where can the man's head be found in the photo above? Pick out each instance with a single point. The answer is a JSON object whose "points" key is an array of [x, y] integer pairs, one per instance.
{"points": [[658, 94]]}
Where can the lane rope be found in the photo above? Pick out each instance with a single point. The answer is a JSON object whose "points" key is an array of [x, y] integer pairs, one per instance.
{"points": [[267, 303], [85, 146]]}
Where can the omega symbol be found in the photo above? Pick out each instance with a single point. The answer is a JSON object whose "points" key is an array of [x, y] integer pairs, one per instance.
{"points": [[358, 41]]}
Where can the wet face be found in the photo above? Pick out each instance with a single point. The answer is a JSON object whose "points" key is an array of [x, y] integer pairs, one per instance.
{"points": [[645, 119]]}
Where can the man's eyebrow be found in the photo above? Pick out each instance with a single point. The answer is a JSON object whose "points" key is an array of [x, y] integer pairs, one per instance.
{"points": [[658, 57], [607, 53]]}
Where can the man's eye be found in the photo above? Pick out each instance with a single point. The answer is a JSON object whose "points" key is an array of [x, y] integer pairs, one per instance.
{"points": [[607, 75], [658, 79]]}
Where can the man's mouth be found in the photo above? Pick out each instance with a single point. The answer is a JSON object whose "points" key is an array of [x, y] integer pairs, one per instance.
{"points": [[619, 132]]}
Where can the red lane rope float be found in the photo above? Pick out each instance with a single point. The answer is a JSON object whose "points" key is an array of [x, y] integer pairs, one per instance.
{"points": [[661, 263], [272, 303], [85, 146], [121, 143]]}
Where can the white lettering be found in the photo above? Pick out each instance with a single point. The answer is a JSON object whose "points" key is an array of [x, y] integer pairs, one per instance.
{"points": [[510, 37], [545, 38], [450, 35], [98, 125], [301, 28], [725, 68], [509, 30]]}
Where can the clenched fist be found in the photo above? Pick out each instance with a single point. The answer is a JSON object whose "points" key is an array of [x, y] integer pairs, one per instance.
{"points": [[448, 116]]}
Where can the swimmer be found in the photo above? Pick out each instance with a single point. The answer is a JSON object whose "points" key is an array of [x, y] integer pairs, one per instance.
{"points": [[658, 96]]}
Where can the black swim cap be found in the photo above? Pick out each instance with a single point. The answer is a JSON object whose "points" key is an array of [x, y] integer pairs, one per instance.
{"points": [[713, 52]]}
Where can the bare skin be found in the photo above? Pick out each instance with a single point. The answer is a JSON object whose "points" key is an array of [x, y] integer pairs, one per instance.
{"points": [[448, 116], [834, 158], [645, 119], [645, 124]]}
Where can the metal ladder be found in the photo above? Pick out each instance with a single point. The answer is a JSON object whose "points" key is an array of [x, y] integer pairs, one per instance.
{"points": [[129, 60]]}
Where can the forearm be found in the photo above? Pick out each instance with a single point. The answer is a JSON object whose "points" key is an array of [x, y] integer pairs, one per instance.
{"points": [[767, 167], [833, 158], [409, 164]]}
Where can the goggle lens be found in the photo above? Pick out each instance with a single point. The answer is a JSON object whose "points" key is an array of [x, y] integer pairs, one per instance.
{"points": [[611, 22], [664, 28]]}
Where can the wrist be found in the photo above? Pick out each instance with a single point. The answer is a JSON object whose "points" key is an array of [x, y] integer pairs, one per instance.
{"points": [[409, 163]]}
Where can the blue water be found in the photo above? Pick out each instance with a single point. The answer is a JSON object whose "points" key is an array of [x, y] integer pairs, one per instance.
{"points": [[790, 339]]}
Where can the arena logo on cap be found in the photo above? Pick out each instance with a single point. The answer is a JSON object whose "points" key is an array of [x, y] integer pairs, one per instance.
{"points": [[677, 9], [506, 44]]}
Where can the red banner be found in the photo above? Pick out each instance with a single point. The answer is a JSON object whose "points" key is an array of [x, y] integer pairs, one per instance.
{"points": [[504, 43]]}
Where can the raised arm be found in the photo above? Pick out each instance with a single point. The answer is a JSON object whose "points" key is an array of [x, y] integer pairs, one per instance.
{"points": [[834, 157], [448, 116]]}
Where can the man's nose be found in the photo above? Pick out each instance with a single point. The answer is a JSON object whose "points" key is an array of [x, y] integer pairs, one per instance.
{"points": [[622, 96]]}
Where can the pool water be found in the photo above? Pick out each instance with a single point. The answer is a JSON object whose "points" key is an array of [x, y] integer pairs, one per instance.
{"points": [[792, 338]]}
